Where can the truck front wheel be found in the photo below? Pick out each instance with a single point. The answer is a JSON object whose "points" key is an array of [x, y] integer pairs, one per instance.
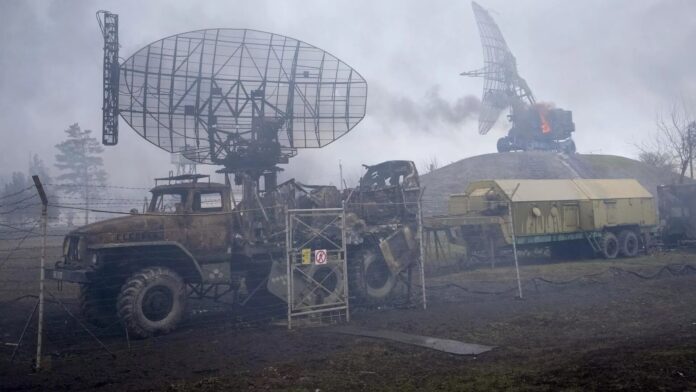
{"points": [[152, 301]]}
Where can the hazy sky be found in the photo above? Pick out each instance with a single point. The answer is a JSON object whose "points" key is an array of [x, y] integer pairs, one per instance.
{"points": [[614, 63]]}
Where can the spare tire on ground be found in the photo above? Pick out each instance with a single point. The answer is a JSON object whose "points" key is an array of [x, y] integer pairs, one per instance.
{"points": [[371, 281]]}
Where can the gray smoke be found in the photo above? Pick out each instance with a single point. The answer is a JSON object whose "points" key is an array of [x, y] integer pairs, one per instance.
{"points": [[423, 114]]}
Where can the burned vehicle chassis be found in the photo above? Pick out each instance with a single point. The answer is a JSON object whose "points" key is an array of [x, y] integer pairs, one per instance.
{"points": [[195, 241]]}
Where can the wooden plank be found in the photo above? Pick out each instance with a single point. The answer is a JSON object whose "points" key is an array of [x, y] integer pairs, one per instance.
{"points": [[444, 345]]}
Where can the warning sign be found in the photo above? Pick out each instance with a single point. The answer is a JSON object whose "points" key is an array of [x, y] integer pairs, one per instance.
{"points": [[320, 256], [306, 256]]}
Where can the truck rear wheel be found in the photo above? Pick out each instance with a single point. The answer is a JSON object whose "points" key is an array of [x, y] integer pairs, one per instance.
{"points": [[372, 281], [628, 243], [152, 301], [610, 245]]}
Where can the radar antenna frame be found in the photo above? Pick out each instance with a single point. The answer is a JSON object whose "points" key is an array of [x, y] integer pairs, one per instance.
{"points": [[109, 30]]}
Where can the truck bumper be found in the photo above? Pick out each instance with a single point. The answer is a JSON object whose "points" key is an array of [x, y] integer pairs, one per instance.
{"points": [[66, 275]]}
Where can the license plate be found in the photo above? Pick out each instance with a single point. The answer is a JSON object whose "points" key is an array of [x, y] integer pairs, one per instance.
{"points": [[58, 275]]}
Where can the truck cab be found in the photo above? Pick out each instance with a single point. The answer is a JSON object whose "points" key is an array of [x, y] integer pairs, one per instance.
{"points": [[187, 221]]}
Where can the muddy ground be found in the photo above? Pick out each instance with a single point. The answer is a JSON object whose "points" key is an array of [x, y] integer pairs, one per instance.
{"points": [[602, 329]]}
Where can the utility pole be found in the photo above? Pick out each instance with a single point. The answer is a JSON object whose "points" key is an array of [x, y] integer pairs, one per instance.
{"points": [[514, 241], [42, 276], [86, 179], [340, 170], [691, 139]]}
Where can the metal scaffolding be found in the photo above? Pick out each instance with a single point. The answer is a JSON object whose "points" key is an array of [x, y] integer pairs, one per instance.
{"points": [[317, 268]]}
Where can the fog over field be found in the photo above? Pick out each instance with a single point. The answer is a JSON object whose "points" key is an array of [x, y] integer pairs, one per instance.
{"points": [[615, 64]]}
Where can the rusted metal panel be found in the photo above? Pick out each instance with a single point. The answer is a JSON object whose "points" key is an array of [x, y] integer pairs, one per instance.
{"points": [[446, 345], [399, 250]]}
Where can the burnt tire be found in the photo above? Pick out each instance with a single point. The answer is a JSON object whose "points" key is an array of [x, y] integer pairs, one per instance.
{"points": [[371, 280], [609, 245], [629, 244], [98, 304], [152, 301]]}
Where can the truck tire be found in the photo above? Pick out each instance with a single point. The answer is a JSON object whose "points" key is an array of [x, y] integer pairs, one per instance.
{"points": [[610, 245], [503, 144], [152, 301], [98, 304], [628, 243], [371, 280]]}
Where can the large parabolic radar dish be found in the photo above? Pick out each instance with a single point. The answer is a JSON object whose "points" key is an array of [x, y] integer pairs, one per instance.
{"points": [[234, 96], [502, 85]]}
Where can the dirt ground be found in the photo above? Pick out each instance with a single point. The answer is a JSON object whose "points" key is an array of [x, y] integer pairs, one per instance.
{"points": [[587, 325]]}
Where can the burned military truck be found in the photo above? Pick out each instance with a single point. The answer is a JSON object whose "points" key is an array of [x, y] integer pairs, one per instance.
{"points": [[193, 242], [604, 217]]}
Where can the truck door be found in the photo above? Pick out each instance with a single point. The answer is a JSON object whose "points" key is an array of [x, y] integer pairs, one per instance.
{"points": [[171, 205], [207, 234]]}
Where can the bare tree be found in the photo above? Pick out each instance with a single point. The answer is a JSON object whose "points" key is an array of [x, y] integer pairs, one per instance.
{"points": [[674, 144], [431, 164]]}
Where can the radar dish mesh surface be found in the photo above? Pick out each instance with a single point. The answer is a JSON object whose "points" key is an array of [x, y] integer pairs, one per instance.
{"points": [[201, 93], [502, 85]]}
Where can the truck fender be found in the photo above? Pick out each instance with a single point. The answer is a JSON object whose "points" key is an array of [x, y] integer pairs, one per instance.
{"points": [[151, 244]]}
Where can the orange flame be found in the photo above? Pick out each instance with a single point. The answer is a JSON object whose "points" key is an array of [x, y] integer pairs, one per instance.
{"points": [[545, 126]]}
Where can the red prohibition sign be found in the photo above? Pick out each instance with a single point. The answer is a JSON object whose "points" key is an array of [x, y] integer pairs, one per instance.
{"points": [[320, 256]]}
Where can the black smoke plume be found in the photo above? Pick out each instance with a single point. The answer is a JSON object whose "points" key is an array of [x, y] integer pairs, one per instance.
{"points": [[425, 114]]}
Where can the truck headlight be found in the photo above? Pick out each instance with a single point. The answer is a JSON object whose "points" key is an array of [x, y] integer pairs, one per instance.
{"points": [[94, 259]]}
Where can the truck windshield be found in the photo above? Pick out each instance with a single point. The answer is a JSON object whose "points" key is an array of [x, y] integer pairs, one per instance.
{"points": [[168, 203]]}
